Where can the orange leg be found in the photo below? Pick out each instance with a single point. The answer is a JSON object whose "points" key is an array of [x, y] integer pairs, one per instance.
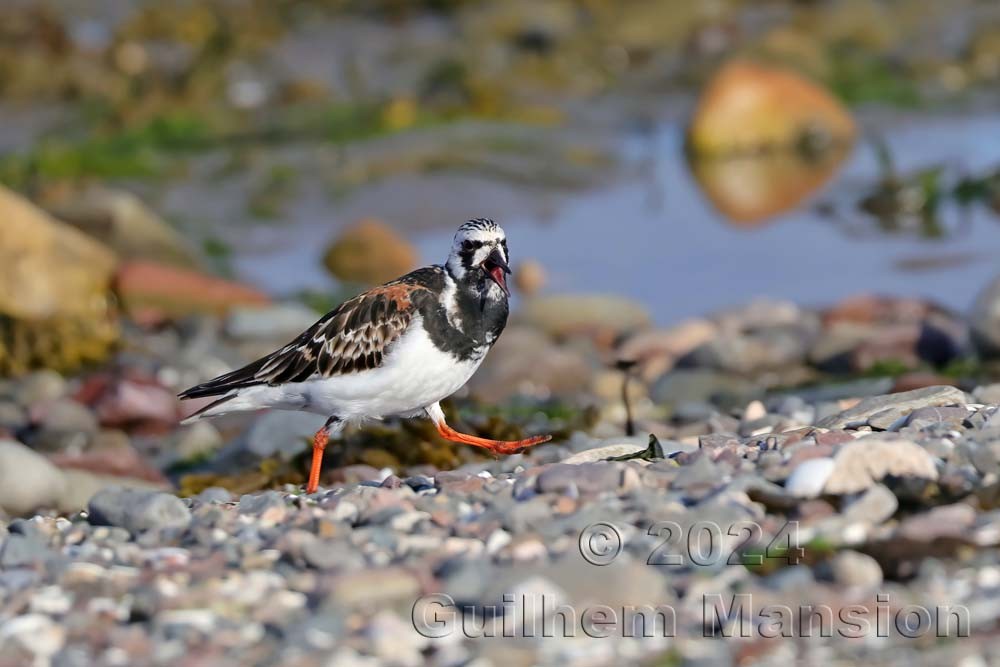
{"points": [[495, 446], [319, 445]]}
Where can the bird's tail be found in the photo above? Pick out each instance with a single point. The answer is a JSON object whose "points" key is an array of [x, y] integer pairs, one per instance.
{"points": [[212, 409]]}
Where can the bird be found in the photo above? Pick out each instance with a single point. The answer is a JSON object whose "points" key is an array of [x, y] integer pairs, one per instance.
{"points": [[398, 349]]}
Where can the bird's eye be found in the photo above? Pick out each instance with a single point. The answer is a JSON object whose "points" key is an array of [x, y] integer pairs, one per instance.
{"points": [[468, 245]]}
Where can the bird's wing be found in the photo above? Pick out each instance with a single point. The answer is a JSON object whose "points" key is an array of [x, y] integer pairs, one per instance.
{"points": [[353, 337]]}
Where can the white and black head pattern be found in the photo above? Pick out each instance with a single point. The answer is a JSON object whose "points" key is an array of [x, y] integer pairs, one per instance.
{"points": [[477, 244]]}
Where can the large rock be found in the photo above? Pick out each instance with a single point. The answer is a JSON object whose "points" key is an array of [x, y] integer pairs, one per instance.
{"points": [[656, 350], [153, 292], [124, 223], [903, 403], [369, 252], [684, 385], [54, 300], [527, 362], [985, 320], [602, 317], [749, 106], [765, 138]]}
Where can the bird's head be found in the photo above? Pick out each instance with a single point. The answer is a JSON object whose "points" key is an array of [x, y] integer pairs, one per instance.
{"points": [[480, 251]]}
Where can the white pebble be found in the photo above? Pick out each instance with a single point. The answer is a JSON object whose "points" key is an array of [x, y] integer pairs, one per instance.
{"points": [[809, 478]]}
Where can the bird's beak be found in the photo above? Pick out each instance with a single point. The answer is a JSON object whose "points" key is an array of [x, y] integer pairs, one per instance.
{"points": [[496, 268]]}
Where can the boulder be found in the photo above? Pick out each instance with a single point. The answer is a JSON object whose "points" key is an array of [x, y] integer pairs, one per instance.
{"points": [[55, 310], [28, 481], [601, 317], [985, 320], [527, 362], [153, 292], [748, 106], [370, 253], [764, 138], [120, 220]]}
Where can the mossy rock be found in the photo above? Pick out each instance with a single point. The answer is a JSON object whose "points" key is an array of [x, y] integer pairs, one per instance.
{"points": [[55, 305]]}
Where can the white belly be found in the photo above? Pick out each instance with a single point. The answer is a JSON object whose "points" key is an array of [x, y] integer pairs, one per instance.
{"points": [[414, 375]]}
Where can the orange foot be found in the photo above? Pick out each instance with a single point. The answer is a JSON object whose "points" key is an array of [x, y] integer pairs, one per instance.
{"points": [[496, 446]]}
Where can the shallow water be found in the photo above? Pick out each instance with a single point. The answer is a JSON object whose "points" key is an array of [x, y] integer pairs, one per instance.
{"points": [[657, 239]]}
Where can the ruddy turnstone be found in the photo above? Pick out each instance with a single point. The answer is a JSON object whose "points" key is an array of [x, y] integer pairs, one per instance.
{"points": [[395, 350]]}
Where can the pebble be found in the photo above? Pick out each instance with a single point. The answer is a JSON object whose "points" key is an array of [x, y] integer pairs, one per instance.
{"points": [[810, 477], [137, 511], [856, 570], [38, 635], [63, 424], [858, 465], [875, 505], [40, 386], [279, 322], [281, 433], [28, 481]]}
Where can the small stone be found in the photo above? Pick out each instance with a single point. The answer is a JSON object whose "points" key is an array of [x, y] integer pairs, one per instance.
{"points": [[604, 452], [281, 433], [985, 320], [137, 511], [23, 551], [63, 424], [215, 495], [40, 386], [529, 278], [258, 503], [330, 554], [854, 569], [754, 411], [876, 505], [988, 394], [13, 417], [584, 477], [861, 463], [274, 322], [395, 641], [809, 477], [28, 481], [497, 540], [179, 621], [36, 634], [51, 600], [127, 402], [944, 522], [369, 252]]}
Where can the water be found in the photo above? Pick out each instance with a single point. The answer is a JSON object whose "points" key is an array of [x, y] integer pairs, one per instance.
{"points": [[656, 239]]}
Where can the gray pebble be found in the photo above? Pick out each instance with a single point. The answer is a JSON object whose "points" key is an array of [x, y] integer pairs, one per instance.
{"points": [[137, 511]]}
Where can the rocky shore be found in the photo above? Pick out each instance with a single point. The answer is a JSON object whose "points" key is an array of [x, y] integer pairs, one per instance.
{"points": [[840, 462], [792, 501]]}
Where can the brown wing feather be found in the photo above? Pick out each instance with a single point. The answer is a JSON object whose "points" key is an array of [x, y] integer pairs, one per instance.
{"points": [[353, 337]]}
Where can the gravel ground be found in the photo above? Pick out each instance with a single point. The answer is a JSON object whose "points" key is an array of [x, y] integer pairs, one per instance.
{"points": [[874, 524]]}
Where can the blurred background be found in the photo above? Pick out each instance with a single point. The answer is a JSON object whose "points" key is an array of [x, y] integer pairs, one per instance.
{"points": [[729, 221], [721, 200]]}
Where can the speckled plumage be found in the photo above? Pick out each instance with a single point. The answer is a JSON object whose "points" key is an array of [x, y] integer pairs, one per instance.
{"points": [[431, 327]]}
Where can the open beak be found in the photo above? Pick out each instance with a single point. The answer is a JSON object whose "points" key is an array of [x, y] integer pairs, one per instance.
{"points": [[496, 268]]}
